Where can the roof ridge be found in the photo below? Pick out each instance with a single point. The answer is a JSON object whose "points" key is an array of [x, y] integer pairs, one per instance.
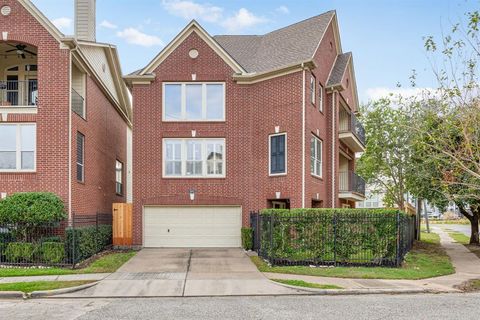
{"points": [[302, 21]]}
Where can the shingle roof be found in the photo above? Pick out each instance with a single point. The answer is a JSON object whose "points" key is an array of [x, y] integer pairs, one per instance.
{"points": [[280, 48], [339, 68]]}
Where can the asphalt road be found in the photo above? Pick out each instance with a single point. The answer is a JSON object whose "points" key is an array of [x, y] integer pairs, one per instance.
{"points": [[440, 306], [463, 228]]}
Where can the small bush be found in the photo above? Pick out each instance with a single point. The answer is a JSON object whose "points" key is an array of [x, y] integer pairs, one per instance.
{"points": [[20, 252], [53, 252], [51, 239], [247, 238], [82, 243]]}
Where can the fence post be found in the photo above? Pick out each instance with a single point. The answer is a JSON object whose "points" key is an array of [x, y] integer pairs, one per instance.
{"points": [[271, 240], [335, 239], [398, 238], [73, 240], [96, 227]]}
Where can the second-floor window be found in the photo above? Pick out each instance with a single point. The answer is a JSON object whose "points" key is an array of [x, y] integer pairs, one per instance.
{"points": [[313, 93], [320, 97], [190, 158], [80, 157], [119, 178], [316, 155], [194, 101], [17, 147], [278, 154]]}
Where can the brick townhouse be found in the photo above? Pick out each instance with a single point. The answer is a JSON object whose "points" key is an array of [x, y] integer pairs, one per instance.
{"points": [[228, 124], [65, 113]]}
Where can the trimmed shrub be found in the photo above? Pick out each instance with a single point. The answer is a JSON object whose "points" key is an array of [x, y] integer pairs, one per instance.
{"points": [[82, 243], [20, 252], [53, 252], [247, 238], [331, 235]]}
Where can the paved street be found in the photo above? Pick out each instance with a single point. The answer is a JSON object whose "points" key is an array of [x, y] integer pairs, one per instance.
{"points": [[463, 228], [440, 306]]}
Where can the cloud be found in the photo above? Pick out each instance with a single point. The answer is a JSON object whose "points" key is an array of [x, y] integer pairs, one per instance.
{"points": [[108, 25], [283, 9], [63, 23], [134, 36], [382, 92], [241, 20], [192, 10]]}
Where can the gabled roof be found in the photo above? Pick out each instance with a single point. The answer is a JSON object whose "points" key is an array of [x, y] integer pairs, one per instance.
{"points": [[293, 44], [339, 69]]}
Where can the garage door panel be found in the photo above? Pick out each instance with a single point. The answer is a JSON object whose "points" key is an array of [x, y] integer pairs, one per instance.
{"points": [[192, 226]]}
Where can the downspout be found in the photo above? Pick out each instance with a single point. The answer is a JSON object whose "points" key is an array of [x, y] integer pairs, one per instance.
{"points": [[303, 138], [334, 140], [70, 139]]}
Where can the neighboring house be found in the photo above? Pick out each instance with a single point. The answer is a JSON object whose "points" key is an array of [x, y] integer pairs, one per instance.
{"points": [[64, 110], [228, 124], [375, 199]]}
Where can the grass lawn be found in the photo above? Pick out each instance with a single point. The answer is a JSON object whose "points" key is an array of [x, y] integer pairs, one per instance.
{"points": [[40, 285], [427, 259], [108, 263], [457, 221], [465, 240], [301, 283], [472, 285]]}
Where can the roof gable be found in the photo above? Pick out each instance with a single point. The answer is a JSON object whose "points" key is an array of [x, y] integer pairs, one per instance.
{"points": [[189, 29], [40, 17]]}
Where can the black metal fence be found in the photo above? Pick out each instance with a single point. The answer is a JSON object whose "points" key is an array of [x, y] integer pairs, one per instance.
{"points": [[56, 244], [333, 237]]}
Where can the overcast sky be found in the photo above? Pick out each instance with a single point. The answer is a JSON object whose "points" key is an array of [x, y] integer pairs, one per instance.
{"points": [[385, 36]]}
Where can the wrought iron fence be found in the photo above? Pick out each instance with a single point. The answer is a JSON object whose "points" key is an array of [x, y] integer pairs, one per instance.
{"points": [[334, 237], [55, 244], [78, 103]]}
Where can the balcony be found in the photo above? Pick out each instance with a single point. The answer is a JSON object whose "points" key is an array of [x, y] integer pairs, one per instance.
{"points": [[78, 103], [351, 131], [351, 186], [14, 93]]}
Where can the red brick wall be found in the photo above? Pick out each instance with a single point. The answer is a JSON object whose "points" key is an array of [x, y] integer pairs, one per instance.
{"points": [[252, 112], [53, 103], [105, 141]]}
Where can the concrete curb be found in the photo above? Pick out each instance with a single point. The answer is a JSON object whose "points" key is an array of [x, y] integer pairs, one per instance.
{"points": [[332, 292], [12, 295], [50, 293]]}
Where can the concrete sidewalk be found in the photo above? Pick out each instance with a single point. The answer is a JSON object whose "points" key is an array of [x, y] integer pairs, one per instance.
{"points": [[66, 277], [467, 267]]}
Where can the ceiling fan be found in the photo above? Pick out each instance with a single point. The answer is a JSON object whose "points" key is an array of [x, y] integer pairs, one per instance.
{"points": [[20, 50]]}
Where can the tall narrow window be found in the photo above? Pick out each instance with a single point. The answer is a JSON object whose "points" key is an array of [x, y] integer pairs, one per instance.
{"points": [[80, 157], [278, 154], [17, 147], [119, 178], [194, 158], [320, 97], [173, 157], [312, 89], [214, 157], [316, 154]]}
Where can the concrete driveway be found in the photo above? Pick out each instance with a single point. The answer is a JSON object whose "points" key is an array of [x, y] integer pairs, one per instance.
{"points": [[186, 272]]}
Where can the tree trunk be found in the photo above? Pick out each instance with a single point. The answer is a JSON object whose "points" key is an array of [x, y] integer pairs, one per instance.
{"points": [[473, 217], [427, 223]]}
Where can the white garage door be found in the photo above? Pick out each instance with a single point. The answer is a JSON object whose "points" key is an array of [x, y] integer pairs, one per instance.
{"points": [[192, 226]]}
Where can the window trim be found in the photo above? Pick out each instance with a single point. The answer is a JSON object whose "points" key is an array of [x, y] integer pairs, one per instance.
{"points": [[270, 155], [18, 148], [320, 97], [183, 160], [83, 158], [321, 159], [116, 181], [183, 100]]}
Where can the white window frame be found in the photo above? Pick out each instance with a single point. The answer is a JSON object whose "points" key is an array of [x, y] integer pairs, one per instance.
{"points": [[315, 156], [313, 90], [204, 142], [320, 97], [121, 177], [183, 110], [270, 155], [18, 147]]}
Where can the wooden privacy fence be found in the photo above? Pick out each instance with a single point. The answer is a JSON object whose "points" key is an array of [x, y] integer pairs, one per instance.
{"points": [[122, 224]]}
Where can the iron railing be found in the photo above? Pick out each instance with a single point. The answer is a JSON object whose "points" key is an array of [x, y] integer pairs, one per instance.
{"points": [[18, 93], [333, 237], [55, 244], [349, 181], [349, 123], [78, 103]]}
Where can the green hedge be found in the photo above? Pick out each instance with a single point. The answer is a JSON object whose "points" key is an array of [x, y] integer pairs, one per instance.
{"points": [[21, 252], [247, 238], [331, 235], [82, 243], [53, 252]]}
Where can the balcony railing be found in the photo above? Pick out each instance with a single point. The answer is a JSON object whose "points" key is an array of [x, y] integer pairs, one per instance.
{"points": [[18, 93], [349, 181], [350, 123], [78, 103]]}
